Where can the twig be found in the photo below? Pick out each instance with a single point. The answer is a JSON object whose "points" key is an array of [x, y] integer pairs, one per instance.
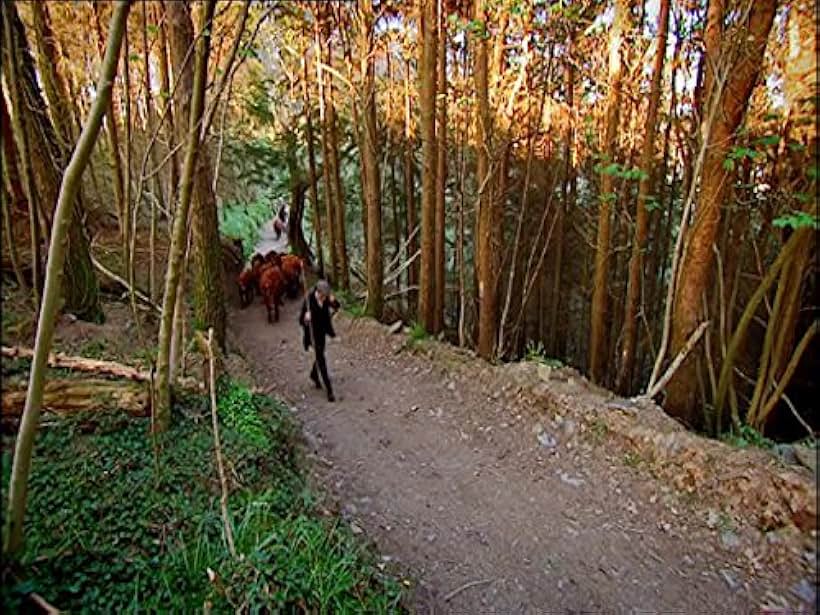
{"points": [[458, 590], [140, 295], [41, 602], [799, 418], [670, 371], [223, 482]]}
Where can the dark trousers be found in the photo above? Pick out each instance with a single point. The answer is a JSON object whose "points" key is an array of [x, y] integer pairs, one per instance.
{"points": [[322, 365]]}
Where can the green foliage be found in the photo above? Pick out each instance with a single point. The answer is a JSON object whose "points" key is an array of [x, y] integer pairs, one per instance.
{"points": [[237, 408], [797, 219], [747, 436], [737, 154], [633, 459], [535, 352], [351, 304], [651, 203], [768, 140], [417, 333], [621, 171], [94, 349], [243, 221], [116, 525]]}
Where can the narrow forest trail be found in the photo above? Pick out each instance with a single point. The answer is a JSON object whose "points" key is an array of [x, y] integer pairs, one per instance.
{"points": [[448, 478]]}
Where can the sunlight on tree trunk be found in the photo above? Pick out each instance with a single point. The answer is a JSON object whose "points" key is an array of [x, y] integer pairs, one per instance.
{"points": [[636, 263], [427, 105], [370, 165], [696, 265], [440, 283], [598, 347]]}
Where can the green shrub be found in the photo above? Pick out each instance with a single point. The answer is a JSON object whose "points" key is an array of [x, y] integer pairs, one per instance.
{"points": [[244, 221], [536, 353], [119, 521], [747, 436]]}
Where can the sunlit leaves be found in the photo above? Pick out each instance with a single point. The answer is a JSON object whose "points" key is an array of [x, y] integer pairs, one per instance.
{"points": [[617, 170]]}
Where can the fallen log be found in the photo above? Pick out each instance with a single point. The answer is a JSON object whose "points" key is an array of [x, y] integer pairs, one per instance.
{"points": [[80, 364], [72, 395], [95, 366]]}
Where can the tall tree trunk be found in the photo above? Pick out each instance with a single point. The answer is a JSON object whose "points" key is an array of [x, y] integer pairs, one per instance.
{"points": [[427, 106], [390, 146], [441, 175], [598, 352], [55, 87], [659, 222], [370, 163], [696, 264], [168, 107], [209, 300], [63, 213], [568, 191], [312, 179], [338, 192], [151, 123], [11, 60], [634, 284], [112, 123], [327, 165], [298, 187], [489, 224], [46, 160], [17, 203], [178, 237], [410, 190]]}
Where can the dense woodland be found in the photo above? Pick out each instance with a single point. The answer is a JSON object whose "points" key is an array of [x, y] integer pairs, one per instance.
{"points": [[625, 187]]}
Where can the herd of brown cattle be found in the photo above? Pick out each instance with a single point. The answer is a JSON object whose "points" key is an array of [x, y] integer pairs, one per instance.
{"points": [[272, 276]]}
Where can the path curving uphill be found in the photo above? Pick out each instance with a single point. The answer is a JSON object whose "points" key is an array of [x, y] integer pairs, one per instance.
{"points": [[452, 479]]}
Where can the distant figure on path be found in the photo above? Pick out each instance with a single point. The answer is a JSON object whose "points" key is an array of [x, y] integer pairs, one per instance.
{"points": [[278, 227], [316, 320]]}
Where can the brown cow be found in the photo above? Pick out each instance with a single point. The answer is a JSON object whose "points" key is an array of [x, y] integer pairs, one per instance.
{"points": [[248, 282], [272, 287], [273, 258], [292, 268]]}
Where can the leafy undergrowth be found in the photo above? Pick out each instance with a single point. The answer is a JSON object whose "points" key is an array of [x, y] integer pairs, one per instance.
{"points": [[114, 526], [243, 221]]}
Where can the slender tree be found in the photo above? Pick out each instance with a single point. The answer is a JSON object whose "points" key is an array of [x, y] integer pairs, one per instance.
{"points": [[162, 405], [598, 352], [410, 188], [370, 164], [209, 300], [488, 223], [635, 283], [312, 177], [112, 130], [441, 174], [18, 485]]}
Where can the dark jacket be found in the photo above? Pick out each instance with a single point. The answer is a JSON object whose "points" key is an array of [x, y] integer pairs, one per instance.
{"points": [[321, 324]]}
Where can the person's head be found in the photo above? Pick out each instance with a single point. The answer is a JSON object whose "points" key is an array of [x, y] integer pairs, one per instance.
{"points": [[322, 289]]}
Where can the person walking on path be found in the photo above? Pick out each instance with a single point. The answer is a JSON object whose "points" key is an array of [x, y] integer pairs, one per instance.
{"points": [[316, 320]]}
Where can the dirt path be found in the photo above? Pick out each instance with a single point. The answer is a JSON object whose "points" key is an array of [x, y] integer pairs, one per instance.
{"points": [[450, 481]]}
